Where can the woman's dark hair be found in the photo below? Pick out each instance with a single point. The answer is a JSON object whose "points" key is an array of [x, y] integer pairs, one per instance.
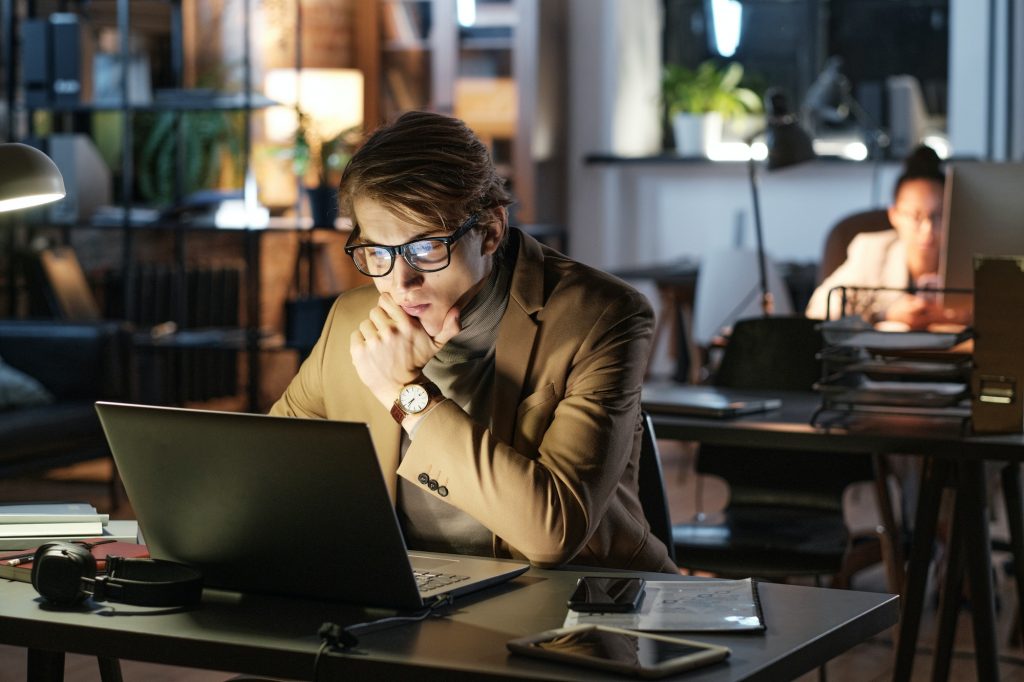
{"points": [[922, 164], [431, 170]]}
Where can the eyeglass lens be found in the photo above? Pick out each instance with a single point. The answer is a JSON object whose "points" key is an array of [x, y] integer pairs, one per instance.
{"points": [[426, 255]]}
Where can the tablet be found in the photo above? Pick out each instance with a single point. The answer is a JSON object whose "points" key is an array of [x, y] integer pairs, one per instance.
{"points": [[629, 652]]}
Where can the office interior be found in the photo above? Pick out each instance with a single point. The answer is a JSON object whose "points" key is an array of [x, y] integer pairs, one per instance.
{"points": [[196, 240]]}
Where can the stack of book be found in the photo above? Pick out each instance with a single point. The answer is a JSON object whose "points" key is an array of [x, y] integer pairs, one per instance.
{"points": [[25, 525]]}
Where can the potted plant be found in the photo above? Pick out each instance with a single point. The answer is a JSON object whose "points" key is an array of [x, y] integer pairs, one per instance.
{"points": [[319, 161], [698, 100]]}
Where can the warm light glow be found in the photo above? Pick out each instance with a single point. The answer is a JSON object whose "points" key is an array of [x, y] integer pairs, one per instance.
{"points": [[29, 201], [726, 22], [332, 98]]}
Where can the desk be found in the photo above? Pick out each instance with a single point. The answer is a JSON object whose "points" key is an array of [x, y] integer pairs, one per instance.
{"points": [[950, 454], [806, 626]]}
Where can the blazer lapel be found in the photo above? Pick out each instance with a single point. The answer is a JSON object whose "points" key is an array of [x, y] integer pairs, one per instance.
{"points": [[516, 335]]}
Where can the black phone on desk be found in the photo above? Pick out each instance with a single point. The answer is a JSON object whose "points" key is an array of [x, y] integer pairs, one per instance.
{"points": [[640, 654], [595, 594]]}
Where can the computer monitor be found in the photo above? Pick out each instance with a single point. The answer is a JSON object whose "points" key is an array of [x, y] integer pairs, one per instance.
{"points": [[983, 215]]}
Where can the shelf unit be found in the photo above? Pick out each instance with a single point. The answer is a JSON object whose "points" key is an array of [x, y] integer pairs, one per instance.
{"points": [[20, 125]]}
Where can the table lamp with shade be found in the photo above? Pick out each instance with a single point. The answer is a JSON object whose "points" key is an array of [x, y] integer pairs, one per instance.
{"points": [[27, 177], [788, 145]]}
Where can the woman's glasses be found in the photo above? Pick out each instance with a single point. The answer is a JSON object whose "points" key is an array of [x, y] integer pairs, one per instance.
{"points": [[428, 254]]}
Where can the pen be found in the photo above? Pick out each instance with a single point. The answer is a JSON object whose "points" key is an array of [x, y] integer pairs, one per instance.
{"points": [[18, 558]]}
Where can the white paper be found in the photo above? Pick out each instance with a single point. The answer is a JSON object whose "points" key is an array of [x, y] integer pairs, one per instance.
{"points": [[690, 605]]}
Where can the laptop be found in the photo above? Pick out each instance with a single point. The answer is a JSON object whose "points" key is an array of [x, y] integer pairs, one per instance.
{"points": [[278, 505], [702, 401]]}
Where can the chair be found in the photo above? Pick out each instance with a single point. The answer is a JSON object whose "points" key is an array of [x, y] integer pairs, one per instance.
{"points": [[652, 487], [785, 512], [843, 232]]}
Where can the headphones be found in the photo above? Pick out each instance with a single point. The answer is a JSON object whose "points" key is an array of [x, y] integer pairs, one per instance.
{"points": [[64, 574]]}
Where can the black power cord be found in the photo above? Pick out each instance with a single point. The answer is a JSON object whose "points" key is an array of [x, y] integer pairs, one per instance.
{"points": [[335, 638]]}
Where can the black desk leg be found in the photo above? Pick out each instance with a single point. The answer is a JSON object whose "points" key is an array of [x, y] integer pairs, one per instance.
{"points": [[935, 472], [952, 591], [970, 503], [1015, 519], [110, 669], [45, 666]]}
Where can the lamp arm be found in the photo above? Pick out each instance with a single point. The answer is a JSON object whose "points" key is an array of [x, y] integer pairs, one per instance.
{"points": [[866, 123], [767, 305]]}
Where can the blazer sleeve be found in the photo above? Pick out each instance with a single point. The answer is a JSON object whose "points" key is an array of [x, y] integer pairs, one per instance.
{"points": [[547, 506], [304, 396]]}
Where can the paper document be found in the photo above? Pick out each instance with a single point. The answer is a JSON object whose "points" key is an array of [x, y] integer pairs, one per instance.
{"points": [[691, 605]]}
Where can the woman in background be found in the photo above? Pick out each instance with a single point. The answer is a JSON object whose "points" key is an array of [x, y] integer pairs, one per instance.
{"points": [[905, 257]]}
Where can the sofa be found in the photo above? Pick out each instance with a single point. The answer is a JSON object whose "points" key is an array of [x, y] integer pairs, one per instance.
{"points": [[77, 363]]}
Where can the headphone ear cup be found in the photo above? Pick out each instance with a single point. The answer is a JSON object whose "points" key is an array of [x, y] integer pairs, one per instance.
{"points": [[58, 570]]}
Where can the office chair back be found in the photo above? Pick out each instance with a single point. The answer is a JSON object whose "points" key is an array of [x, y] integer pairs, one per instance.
{"points": [[843, 232], [66, 289], [651, 480]]}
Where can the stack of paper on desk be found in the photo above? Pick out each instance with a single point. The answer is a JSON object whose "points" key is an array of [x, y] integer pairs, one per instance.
{"points": [[686, 606]]}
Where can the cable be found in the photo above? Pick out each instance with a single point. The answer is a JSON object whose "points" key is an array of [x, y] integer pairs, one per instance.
{"points": [[335, 638]]}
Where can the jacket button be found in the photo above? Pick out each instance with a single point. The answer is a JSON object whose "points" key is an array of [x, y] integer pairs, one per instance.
{"points": [[442, 491], [423, 479], [432, 484]]}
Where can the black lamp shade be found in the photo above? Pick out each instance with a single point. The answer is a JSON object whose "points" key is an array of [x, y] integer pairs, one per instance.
{"points": [[788, 143]]}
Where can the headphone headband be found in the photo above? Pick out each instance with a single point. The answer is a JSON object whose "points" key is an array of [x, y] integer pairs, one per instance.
{"points": [[65, 574]]}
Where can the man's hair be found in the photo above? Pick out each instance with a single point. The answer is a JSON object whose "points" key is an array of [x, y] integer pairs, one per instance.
{"points": [[426, 168], [922, 164]]}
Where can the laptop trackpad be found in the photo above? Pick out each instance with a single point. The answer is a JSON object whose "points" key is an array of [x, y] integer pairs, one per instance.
{"points": [[429, 563]]}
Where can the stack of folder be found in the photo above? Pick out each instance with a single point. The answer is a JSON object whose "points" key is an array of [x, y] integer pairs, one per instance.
{"points": [[26, 525]]}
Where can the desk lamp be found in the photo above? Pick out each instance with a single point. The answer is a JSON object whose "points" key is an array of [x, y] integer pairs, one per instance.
{"points": [[830, 99], [27, 177], [788, 145]]}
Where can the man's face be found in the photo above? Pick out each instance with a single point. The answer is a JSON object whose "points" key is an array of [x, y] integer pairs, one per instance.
{"points": [[426, 295], [917, 216]]}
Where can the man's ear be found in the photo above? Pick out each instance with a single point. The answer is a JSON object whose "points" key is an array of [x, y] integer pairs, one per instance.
{"points": [[494, 230]]}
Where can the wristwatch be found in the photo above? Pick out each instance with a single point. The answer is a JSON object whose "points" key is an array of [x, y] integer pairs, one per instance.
{"points": [[413, 399]]}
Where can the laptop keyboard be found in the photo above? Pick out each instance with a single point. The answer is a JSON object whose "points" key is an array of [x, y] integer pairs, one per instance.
{"points": [[429, 580]]}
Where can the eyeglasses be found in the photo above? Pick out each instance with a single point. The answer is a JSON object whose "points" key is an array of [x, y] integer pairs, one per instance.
{"points": [[917, 218], [428, 254]]}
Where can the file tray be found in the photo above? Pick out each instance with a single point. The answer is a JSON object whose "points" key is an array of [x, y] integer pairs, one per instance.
{"points": [[847, 336], [895, 393]]}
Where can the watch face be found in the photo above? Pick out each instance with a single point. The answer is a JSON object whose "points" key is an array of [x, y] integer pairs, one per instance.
{"points": [[413, 398]]}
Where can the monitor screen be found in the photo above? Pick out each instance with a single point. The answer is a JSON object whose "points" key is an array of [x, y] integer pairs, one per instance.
{"points": [[983, 215]]}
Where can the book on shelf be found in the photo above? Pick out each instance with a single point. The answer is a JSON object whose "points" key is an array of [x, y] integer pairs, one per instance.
{"points": [[125, 531], [17, 564]]}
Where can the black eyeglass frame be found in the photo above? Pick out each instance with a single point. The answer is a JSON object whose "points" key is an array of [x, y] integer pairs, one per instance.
{"points": [[401, 249]]}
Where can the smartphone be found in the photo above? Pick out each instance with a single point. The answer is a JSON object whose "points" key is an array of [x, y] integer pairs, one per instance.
{"points": [[617, 595], [640, 654]]}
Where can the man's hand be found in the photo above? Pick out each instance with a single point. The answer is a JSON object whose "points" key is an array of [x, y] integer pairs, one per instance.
{"points": [[390, 347]]}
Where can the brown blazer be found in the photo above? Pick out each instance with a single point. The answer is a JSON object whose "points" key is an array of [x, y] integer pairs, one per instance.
{"points": [[554, 475]]}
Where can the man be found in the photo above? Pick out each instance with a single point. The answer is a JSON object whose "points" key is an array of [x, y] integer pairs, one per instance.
{"points": [[500, 379]]}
